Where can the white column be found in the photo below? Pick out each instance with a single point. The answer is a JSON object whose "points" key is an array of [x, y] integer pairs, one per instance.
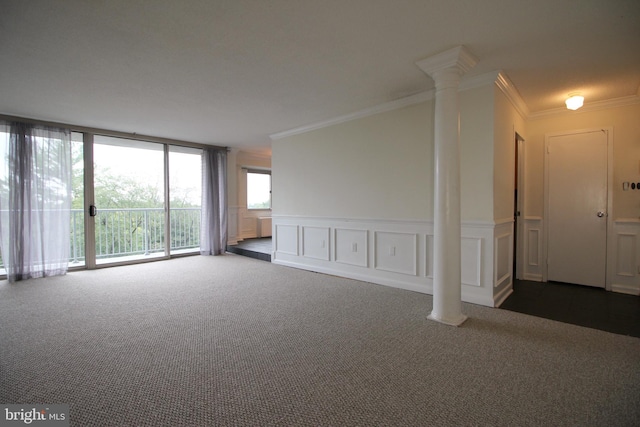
{"points": [[446, 69]]}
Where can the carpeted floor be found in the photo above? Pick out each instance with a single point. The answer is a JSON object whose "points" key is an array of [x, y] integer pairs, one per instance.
{"points": [[230, 340]]}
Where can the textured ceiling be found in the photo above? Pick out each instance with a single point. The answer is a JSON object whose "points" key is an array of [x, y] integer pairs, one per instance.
{"points": [[232, 72]]}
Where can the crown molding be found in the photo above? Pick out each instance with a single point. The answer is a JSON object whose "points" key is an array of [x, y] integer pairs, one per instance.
{"points": [[509, 89], [590, 106], [382, 108], [465, 84], [485, 79], [499, 78]]}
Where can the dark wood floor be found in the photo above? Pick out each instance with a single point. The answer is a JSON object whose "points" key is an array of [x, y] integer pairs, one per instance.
{"points": [[579, 305]]}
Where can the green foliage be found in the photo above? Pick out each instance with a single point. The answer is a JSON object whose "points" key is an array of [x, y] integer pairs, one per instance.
{"points": [[130, 217]]}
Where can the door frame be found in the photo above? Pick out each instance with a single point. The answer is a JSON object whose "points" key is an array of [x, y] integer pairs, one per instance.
{"points": [[519, 246], [608, 130]]}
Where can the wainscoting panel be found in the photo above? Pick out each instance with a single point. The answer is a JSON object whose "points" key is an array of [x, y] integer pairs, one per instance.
{"points": [[533, 248], [503, 254], [471, 259], [351, 247], [315, 242], [428, 261], [504, 262], [626, 261], [396, 253], [286, 239]]}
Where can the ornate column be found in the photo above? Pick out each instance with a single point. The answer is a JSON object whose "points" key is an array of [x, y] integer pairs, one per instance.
{"points": [[446, 68]]}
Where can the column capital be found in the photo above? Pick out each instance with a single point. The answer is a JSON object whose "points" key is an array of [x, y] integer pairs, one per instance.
{"points": [[458, 58]]}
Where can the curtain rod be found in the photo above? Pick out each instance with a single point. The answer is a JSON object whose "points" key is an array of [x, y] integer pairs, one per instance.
{"points": [[112, 133]]}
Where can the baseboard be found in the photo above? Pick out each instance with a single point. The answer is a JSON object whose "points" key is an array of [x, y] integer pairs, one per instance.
{"points": [[625, 289], [502, 296], [426, 289]]}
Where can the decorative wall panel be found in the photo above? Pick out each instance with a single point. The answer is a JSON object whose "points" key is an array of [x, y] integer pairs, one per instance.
{"points": [[352, 247], [315, 242], [471, 261], [286, 239], [396, 252]]}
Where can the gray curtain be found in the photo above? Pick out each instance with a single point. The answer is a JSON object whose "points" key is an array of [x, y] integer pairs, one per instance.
{"points": [[35, 200], [213, 229]]}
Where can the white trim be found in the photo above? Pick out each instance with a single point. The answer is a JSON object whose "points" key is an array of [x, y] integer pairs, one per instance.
{"points": [[629, 221], [465, 84], [625, 289], [509, 89], [588, 107], [377, 109], [472, 223], [500, 79], [478, 81], [503, 221], [459, 57], [412, 268]]}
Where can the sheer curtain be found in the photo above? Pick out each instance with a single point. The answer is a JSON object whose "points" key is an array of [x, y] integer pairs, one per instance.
{"points": [[35, 201], [213, 229]]}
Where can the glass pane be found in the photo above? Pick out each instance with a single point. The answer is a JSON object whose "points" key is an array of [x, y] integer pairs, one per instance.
{"points": [[185, 189], [129, 195], [258, 190], [77, 201], [4, 182]]}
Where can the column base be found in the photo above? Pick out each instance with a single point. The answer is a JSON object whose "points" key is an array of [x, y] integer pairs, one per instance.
{"points": [[451, 322]]}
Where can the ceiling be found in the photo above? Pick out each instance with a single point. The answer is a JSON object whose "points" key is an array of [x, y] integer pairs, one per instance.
{"points": [[233, 72]]}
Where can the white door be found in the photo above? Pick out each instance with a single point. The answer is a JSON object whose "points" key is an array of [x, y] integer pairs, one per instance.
{"points": [[577, 208]]}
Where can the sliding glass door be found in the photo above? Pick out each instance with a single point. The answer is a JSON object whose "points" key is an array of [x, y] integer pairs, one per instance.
{"points": [[129, 195], [131, 200], [185, 195]]}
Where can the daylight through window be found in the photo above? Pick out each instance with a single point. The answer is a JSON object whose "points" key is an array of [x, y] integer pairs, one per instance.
{"points": [[258, 189]]}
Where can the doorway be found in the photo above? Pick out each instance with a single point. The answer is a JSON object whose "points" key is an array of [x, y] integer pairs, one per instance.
{"points": [[577, 202], [518, 208]]}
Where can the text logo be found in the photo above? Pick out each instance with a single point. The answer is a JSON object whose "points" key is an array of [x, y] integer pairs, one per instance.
{"points": [[34, 415]]}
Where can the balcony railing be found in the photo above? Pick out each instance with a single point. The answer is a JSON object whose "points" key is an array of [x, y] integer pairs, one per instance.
{"points": [[134, 232]]}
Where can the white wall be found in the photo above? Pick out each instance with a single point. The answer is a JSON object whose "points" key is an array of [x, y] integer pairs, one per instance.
{"points": [[356, 199], [476, 155], [379, 166]]}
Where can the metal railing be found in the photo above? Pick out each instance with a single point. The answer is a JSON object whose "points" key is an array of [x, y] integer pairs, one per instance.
{"points": [[134, 231]]}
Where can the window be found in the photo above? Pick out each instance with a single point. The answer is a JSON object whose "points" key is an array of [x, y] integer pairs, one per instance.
{"points": [[258, 189]]}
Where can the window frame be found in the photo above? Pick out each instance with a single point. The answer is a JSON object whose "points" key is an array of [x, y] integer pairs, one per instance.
{"points": [[261, 172]]}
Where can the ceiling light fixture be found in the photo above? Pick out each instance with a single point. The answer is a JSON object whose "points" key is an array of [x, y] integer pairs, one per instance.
{"points": [[574, 101]]}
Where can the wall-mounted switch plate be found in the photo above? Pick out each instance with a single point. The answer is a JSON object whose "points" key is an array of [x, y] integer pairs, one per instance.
{"points": [[625, 186]]}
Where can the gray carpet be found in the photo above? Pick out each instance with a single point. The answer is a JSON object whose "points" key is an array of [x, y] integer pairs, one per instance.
{"points": [[230, 340]]}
